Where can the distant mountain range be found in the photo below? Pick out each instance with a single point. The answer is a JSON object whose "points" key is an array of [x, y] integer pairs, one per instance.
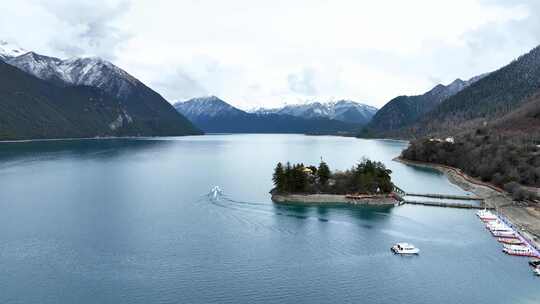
{"points": [[99, 99], [48, 97], [343, 110], [214, 115]]}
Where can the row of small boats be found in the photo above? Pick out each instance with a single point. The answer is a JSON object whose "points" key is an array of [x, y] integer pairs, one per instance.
{"points": [[513, 243]]}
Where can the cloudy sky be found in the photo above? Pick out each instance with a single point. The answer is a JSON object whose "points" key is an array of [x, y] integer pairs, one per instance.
{"points": [[266, 53]]}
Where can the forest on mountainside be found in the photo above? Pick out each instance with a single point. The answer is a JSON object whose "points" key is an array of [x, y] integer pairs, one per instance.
{"points": [[503, 159]]}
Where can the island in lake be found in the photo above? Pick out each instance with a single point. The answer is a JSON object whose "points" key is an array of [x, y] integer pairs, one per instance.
{"points": [[368, 182]]}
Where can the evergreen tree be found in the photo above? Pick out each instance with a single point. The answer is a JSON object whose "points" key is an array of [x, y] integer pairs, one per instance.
{"points": [[365, 177], [289, 184], [299, 178], [279, 177], [323, 173]]}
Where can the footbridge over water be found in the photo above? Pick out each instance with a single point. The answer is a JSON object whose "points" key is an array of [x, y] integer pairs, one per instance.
{"points": [[442, 200]]}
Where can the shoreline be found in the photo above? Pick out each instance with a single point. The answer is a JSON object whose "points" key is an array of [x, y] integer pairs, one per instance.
{"points": [[525, 218], [333, 199], [91, 138]]}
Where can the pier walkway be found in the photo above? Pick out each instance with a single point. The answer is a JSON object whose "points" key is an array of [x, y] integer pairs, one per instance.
{"points": [[447, 196], [408, 198], [447, 205]]}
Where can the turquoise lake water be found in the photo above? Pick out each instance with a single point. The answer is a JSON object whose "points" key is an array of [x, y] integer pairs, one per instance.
{"points": [[127, 221]]}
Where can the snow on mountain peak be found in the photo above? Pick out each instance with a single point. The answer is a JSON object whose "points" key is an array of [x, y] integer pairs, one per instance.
{"points": [[8, 50], [89, 71], [344, 110], [208, 106]]}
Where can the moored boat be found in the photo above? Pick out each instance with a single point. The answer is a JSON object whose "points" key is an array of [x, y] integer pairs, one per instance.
{"points": [[537, 271], [486, 215], [496, 224], [405, 249], [518, 250], [534, 263], [504, 234], [510, 241], [499, 228]]}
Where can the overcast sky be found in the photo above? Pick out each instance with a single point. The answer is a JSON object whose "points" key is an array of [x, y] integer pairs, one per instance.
{"points": [[265, 53]]}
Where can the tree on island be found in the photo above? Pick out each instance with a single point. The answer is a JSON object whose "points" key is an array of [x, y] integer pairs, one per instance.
{"points": [[323, 173], [300, 178], [367, 177], [279, 178]]}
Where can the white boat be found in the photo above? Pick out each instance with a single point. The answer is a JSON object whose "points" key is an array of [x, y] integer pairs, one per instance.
{"points": [[486, 215], [537, 271], [499, 228], [504, 234], [216, 192], [518, 250], [405, 248], [498, 225]]}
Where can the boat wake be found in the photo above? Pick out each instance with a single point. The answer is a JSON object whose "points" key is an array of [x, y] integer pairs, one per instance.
{"points": [[244, 213], [219, 198]]}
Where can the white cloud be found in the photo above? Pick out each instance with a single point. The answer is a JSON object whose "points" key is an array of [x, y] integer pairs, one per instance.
{"points": [[255, 53]]}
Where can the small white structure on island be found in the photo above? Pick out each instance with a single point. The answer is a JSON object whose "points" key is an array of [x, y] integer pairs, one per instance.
{"points": [[307, 170], [450, 140]]}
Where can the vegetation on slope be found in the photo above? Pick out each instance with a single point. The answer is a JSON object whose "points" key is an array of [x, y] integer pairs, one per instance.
{"points": [[502, 160], [31, 108], [403, 111], [485, 101]]}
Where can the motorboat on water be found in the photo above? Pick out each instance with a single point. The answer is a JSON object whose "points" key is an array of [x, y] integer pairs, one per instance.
{"points": [[216, 192], [495, 223], [534, 263], [519, 250], [504, 234], [486, 215], [405, 249], [498, 227], [510, 241], [537, 271]]}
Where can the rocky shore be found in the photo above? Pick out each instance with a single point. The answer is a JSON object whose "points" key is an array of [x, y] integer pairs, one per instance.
{"points": [[522, 215], [318, 199]]}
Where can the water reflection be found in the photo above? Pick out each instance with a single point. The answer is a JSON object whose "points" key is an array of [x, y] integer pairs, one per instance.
{"points": [[18, 153]]}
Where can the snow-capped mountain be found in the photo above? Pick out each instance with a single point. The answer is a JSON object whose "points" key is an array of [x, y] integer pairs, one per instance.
{"points": [[9, 50], [206, 107], [141, 109], [343, 110], [89, 71], [214, 115]]}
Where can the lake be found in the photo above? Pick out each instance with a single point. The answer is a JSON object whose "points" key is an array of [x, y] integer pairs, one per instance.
{"points": [[127, 221]]}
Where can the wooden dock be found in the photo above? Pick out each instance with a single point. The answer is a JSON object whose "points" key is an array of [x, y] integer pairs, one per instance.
{"points": [[404, 198], [447, 205], [446, 196]]}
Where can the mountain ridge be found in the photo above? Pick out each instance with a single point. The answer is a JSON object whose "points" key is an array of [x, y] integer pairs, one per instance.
{"points": [[403, 111], [140, 105], [214, 115], [499, 93], [343, 110]]}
